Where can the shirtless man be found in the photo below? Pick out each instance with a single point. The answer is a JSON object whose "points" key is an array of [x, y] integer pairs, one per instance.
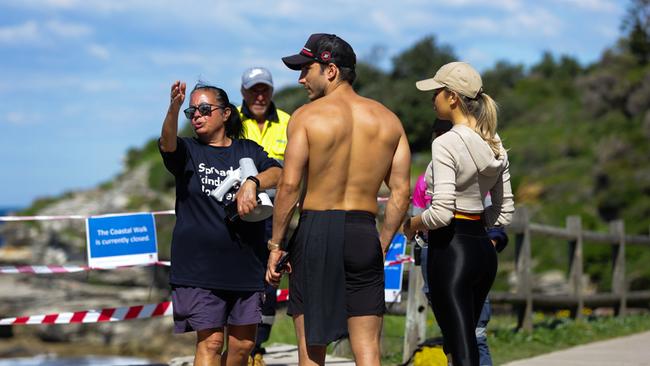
{"points": [[345, 146]]}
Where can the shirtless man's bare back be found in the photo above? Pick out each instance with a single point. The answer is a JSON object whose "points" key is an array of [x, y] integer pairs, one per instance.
{"points": [[344, 146]]}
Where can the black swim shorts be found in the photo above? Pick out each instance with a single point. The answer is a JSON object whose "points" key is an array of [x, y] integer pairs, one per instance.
{"points": [[363, 260]]}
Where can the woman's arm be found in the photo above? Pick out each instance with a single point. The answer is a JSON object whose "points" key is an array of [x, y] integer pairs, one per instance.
{"points": [[170, 125], [247, 195], [443, 202], [269, 178], [503, 204], [443, 199]]}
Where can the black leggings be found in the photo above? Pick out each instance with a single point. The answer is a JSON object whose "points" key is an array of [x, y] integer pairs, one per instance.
{"points": [[461, 267]]}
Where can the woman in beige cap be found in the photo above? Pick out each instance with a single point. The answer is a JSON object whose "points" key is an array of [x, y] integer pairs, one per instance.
{"points": [[467, 163]]}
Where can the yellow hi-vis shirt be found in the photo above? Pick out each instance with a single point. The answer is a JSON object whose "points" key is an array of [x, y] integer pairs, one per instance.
{"points": [[273, 137]]}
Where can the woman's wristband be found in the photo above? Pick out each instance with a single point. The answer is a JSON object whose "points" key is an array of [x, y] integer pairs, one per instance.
{"points": [[254, 179]]}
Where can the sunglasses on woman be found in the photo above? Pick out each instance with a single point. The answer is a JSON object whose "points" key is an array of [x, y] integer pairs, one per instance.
{"points": [[205, 109]]}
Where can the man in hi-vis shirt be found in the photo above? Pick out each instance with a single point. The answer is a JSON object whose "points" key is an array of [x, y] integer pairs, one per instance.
{"points": [[267, 125]]}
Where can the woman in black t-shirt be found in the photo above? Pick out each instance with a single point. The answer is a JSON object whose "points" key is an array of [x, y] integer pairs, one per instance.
{"points": [[217, 272]]}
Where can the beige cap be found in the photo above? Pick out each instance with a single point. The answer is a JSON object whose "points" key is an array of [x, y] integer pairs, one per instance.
{"points": [[457, 76]]}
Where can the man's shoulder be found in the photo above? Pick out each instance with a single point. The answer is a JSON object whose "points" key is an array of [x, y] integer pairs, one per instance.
{"points": [[316, 114], [372, 108], [306, 111], [244, 118], [282, 115], [372, 103], [354, 107], [329, 104]]}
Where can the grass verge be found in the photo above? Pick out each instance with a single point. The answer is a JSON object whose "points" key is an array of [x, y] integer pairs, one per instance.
{"points": [[550, 333]]}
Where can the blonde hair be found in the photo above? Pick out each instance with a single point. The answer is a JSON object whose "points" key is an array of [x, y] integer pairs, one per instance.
{"points": [[484, 109]]}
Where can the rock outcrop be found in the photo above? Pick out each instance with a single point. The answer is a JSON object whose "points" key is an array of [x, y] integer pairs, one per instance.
{"points": [[60, 242]]}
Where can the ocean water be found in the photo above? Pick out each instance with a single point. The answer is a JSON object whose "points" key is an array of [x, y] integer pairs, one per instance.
{"points": [[3, 212], [48, 360]]}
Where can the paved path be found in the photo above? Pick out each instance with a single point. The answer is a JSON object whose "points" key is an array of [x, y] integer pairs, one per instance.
{"points": [[283, 354], [276, 355], [631, 350]]}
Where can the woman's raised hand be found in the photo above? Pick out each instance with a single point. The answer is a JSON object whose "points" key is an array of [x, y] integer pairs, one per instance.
{"points": [[177, 94]]}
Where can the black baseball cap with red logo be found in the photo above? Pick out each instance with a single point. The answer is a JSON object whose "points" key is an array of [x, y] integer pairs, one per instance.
{"points": [[325, 49]]}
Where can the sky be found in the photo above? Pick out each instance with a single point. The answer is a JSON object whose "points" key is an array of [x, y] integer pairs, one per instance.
{"points": [[82, 81]]}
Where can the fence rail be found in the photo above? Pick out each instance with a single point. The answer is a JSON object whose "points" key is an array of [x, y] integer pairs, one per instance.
{"points": [[525, 300]]}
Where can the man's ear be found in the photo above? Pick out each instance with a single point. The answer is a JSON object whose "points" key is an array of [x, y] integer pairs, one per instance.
{"points": [[331, 71]]}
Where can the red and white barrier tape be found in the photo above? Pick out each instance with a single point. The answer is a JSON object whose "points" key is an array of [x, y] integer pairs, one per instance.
{"points": [[83, 217], [95, 316], [71, 217], [107, 315], [53, 269], [67, 269], [400, 259]]}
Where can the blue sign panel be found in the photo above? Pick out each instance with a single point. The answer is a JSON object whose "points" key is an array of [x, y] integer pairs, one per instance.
{"points": [[121, 240], [393, 273]]}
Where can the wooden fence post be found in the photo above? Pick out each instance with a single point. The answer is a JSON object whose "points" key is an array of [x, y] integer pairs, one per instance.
{"points": [[416, 312], [619, 286], [574, 225], [522, 266]]}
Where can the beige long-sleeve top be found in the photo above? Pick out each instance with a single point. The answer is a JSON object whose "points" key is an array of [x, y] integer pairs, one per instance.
{"points": [[462, 171]]}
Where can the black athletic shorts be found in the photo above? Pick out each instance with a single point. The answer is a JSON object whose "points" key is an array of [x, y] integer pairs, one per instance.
{"points": [[363, 263]]}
